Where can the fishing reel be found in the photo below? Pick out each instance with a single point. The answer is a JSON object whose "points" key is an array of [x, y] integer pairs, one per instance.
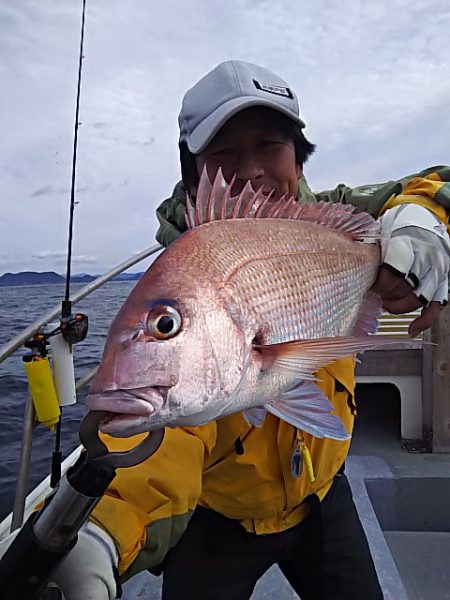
{"points": [[73, 328], [38, 346], [50, 391]]}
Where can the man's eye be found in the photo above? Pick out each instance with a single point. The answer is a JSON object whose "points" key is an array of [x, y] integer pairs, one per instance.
{"points": [[272, 143], [223, 152]]}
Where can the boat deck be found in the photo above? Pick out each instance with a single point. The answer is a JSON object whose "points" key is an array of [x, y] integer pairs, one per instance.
{"points": [[403, 501]]}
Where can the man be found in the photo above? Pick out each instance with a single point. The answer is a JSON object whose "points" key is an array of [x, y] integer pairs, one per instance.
{"points": [[217, 505]]}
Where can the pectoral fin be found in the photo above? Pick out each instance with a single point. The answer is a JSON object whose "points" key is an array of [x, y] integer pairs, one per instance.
{"points": [[255, 416], [305, 357], [306, 407]]}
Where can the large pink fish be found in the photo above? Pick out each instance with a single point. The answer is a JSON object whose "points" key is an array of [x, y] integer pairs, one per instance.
{"points": [[238, 313]]}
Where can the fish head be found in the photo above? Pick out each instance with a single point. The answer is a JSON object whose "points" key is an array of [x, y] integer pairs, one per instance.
{"points": [[174, 355]]}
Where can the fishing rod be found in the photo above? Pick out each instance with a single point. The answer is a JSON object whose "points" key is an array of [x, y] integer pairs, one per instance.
{"points": [[51, 533], [71, 329]]}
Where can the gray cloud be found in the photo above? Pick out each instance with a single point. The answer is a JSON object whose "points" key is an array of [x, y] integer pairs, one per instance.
{"points": [[49, 190], [136, 143], [44, 254], [44, 191], [62, 256], [372, 80], [98, 125]]}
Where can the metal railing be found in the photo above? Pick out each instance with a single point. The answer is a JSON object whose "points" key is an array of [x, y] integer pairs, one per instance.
{"points": [[29, 417]]}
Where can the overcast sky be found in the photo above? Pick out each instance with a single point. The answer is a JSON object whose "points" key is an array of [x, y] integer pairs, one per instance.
{"points": [[372, 79]]}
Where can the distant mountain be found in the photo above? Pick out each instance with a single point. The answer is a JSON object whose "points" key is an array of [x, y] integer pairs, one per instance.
{"points": [[30, 278], [50, 278], [127, 277], [84, 278]]}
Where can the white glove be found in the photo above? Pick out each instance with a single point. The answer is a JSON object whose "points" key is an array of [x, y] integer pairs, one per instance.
{"points": [[87, 572], [415, 244]]}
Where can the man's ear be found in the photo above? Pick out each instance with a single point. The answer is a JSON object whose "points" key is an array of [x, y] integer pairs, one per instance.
{"points": [[299, 170]]}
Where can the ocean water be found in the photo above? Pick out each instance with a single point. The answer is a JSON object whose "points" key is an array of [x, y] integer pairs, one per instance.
{"points": [[19, 308]]}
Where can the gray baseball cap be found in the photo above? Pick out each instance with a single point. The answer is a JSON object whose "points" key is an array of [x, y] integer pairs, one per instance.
{"points": [[225, 91]]}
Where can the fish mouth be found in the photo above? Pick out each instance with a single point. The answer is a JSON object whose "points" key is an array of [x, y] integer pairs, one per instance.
{"points": [[128, 411]]}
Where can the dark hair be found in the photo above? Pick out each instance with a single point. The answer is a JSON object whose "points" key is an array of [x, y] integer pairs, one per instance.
{"points": [[290, 129]]}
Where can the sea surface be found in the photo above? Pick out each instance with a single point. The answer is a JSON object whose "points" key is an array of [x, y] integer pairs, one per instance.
{"points": [[19, 308]]}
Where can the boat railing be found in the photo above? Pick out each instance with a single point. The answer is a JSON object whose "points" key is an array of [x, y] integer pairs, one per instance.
{"points": [[20, 500]]}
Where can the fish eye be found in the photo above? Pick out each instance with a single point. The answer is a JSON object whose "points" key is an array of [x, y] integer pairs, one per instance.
{"points": [[163, 322]]}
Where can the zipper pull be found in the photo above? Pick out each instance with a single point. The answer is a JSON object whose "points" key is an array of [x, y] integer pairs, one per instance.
{"points": [[307, 460], [296, 462]]}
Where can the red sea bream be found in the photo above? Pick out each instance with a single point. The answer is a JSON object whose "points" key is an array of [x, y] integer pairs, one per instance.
{"points": [[238, 314]]}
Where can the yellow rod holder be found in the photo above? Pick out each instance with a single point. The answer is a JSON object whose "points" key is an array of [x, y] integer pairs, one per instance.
{"points": [[43, 393]]}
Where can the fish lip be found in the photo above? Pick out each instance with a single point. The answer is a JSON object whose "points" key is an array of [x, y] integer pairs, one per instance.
{"points": [[142, 401], [122, 425]]}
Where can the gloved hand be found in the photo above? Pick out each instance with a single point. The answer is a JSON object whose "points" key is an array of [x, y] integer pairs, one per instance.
{"points": [[415, 263], [87, 572]]}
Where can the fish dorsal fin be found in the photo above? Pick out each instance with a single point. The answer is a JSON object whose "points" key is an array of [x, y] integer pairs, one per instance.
{"points": [[215, 203]]}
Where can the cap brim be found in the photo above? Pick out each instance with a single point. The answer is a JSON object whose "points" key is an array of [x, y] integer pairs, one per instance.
{"points": [[207, 129]]}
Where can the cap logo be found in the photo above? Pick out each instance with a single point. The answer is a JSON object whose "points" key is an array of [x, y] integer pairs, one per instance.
{"points": [[278, 90]]}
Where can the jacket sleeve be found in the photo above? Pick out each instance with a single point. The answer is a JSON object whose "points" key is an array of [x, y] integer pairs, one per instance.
{"points": [[170, 215], [429, 188], [147, 507]]}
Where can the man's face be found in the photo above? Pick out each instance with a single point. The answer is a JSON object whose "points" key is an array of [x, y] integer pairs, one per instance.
{"points": [[252, 145]]}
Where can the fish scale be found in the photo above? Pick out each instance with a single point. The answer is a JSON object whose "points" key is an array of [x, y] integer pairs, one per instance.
{"points": [[298, 270]]}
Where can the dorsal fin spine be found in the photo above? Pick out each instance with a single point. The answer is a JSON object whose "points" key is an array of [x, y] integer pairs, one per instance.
{"points": [[252, 200], [209, 208], [203, 194], [212, 208], [237, 205], [226, 197], [213, 203], [259, 213]]}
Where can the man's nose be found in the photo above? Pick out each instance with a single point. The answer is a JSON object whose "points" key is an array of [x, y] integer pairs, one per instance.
{"points": [[249, 169]]}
